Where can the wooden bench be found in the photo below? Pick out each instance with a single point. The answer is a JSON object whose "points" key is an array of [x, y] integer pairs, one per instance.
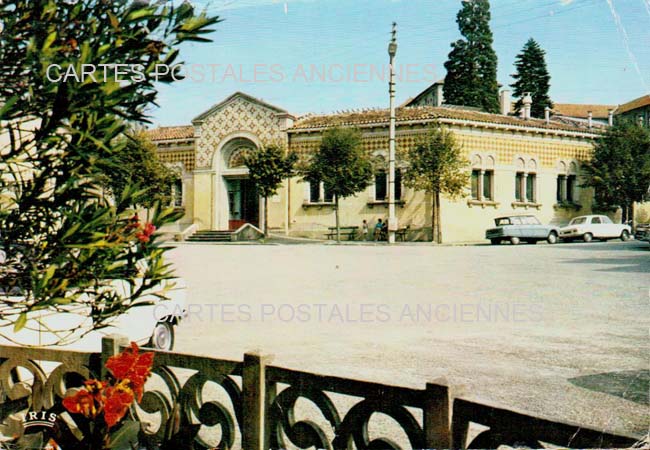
{"points": [[402, 232], [350, 232]]}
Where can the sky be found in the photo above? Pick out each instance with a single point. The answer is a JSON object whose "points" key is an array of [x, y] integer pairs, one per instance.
{"points": [[323, 56]]}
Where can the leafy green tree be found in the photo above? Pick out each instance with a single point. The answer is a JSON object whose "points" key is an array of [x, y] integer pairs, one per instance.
{"points": [[267, 167], [342, 165], [532, 76], [136, 164], [620, 168], [471, 78], [64, 241], [436, 165]]}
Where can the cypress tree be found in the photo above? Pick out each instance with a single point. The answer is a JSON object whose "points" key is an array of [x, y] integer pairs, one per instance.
{"points": [[472, 64], [532, 76]]}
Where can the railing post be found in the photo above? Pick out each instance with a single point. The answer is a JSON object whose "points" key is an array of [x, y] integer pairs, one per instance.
{"points": [[254, 401], [437, 416], [110, 347]]}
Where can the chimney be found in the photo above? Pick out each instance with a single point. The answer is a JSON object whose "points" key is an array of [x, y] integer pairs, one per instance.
{"points": [[547, 115], [527, 101], [505, 102], [610, 117], [590, 119]]}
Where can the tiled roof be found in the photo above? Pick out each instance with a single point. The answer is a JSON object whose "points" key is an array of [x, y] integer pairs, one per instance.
{"points": [[634, 104], [381, 116], [169, 133], [582, 111]]}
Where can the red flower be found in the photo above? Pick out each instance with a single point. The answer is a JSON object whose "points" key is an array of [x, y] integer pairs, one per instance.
{"points": [[145, 234], [82, 402], [118, 401], [130, 370], [132, 366]]}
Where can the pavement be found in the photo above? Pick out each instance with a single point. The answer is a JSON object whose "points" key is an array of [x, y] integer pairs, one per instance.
{"points": [[559, 331]]}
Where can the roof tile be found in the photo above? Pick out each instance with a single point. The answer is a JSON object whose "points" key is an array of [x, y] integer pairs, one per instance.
{"points": [[170, 133], [381, 116]]}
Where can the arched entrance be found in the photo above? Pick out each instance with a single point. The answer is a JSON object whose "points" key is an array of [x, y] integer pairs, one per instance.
{"points": [[243, 203]]}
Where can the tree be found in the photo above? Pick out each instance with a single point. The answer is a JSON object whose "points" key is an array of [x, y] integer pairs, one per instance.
{"points": [[619, 170], [471, 78], [267, 167], [532, 76], [136, 164], [436, 165], [64, 241], [342, 165]]}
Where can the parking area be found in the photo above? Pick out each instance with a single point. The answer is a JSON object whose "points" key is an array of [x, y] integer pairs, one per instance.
{"points": [[555, 330]]}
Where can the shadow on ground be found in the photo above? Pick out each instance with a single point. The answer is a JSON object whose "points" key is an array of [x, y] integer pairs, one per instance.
{"points": [[632, 385], [635, 257]]}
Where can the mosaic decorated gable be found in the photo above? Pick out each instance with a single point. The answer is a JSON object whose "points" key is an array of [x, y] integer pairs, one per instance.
{"points": [[238, 114], [548, 150]]}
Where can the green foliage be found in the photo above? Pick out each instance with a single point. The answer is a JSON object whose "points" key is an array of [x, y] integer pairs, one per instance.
{"points": [[342, 165], [620, 168], [436, 165], [64, 241], [268, 167], [472, 63], [532, 76], [136, 164]]}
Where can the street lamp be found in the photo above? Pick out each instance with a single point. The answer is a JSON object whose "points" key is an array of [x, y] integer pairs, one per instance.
{"points": [[392, 218]]}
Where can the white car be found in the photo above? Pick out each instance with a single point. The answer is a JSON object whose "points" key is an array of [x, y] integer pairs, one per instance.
{"points": [[150, 325], [593, 227]]}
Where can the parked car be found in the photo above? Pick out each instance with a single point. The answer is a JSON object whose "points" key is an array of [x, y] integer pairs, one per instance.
{"points": [[593, 227], [642, 232], [151, 325], [516, 229]]}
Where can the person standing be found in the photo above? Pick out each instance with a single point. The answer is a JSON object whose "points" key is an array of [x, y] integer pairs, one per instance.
{"points": [[364, 230], [378, 227]]}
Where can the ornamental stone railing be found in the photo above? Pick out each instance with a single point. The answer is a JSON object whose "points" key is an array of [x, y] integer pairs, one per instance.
{"points": [[199, 402]]}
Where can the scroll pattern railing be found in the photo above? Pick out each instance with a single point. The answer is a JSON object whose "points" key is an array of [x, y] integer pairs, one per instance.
{"points": [[197, 402]]}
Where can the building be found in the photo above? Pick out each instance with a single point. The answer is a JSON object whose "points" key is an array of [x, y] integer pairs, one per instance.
{"points": [[599, 116], [519, 166], [638, 109]]}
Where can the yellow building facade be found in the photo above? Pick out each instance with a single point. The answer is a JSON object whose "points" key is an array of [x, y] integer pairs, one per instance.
{"points": [[518, 166]]}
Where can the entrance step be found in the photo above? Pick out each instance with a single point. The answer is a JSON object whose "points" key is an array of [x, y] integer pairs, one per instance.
{"points": [[211, 236]]}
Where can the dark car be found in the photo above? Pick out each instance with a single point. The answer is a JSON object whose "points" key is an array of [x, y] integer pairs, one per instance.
{"points": [[642, 232], [516, 229]]}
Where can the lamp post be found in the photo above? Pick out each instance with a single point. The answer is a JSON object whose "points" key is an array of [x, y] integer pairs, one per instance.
{"points": [[392, 218]]}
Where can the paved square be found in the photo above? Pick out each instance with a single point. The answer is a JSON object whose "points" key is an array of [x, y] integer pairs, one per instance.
{"points": [[560, 331]]}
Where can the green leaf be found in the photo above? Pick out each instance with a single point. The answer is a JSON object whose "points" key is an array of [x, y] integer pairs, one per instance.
{"points": [[20, 322], [124, 436], [7, 106], [49, 40]]}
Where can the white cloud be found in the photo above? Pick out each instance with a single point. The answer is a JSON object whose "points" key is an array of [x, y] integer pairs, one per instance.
{"points": [[566, 2]]}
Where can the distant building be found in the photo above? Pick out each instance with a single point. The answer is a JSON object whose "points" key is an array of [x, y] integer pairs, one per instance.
{"points": [[518, 166], [431, 96], [638, 109], [599, 115]]}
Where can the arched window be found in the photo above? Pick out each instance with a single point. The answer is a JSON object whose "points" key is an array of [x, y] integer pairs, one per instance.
{"points": [[567, 182], [526, 180], [482, 183], [381, 180]]}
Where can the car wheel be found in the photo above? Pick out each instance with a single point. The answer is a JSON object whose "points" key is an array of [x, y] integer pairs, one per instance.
{"points": [[495, 241], [625, 236], [162, 337], [552, 238], [514, 240], [588, 237]]}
